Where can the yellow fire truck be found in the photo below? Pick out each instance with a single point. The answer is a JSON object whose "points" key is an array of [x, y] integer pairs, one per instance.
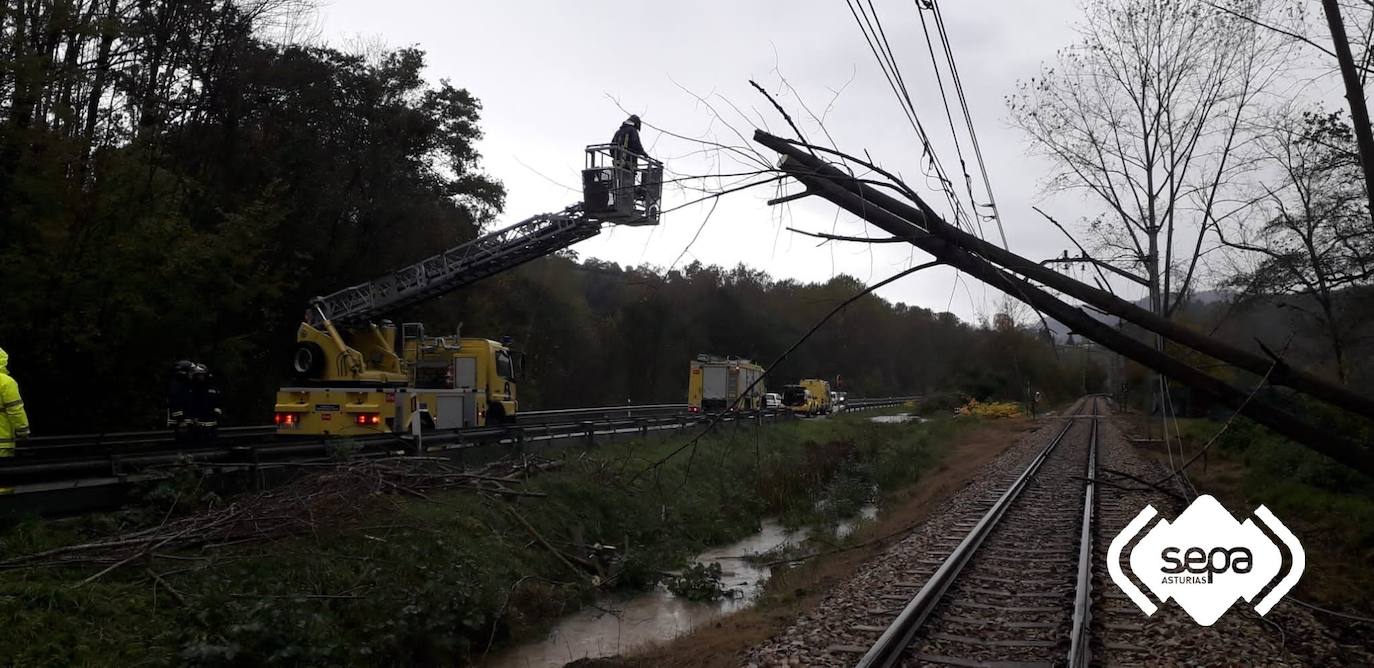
{"points": [[715, 383], [350, 376]]}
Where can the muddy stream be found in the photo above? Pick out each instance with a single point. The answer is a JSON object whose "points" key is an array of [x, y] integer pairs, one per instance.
{"points": [[617, 624]]}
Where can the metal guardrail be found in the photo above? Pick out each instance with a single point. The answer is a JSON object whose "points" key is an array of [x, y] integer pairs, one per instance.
{"points": [[98, 442], [106, 443], [131, 437], [550, 425], [884, 402], [119, 459], [628, 411]]}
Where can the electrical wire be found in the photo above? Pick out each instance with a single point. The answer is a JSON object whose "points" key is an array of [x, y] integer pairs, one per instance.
{"points": [[876, 37], [875, 34], [968, 120], [949, 116]]}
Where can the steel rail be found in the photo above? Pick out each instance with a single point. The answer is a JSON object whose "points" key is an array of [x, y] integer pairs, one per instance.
{"points": [[887, 651], [1080, 650]]}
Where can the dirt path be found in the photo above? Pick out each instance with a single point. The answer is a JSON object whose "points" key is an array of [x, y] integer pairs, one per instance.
{"points": [[797, 591]]}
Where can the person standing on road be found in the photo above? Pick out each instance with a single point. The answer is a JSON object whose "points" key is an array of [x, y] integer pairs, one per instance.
{"points": [[204, 409], [14, 422], [179, 398]]}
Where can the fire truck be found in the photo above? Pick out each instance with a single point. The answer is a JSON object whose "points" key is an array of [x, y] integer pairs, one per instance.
{"points": [[352, 375], [715, 383]]}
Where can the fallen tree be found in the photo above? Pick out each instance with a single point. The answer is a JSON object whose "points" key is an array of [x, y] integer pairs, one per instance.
{"points": [[924, 218], [920, 226]]}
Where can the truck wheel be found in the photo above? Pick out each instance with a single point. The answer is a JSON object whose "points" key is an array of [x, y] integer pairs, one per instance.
{"points": [[307, 360], [496, 415]]}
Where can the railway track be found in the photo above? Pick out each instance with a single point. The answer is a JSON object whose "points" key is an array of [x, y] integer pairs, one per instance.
{"points": [[1016, 588]]}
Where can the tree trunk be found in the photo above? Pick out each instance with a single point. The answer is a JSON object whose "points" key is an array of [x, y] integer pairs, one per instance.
{"points": [[102, 69], [1333, 332], [1279, 372], [1354, 95], [1336, 446]]}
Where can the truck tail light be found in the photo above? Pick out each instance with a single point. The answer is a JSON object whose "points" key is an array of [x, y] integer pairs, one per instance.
{"points": [[367, 419], [286, 419]]}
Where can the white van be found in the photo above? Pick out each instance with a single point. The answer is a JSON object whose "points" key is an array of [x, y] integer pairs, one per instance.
{"points": [[772, 400]]}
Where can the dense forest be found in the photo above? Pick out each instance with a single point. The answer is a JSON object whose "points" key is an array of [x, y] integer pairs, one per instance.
{"points": [[174, 184], [599, 334]]}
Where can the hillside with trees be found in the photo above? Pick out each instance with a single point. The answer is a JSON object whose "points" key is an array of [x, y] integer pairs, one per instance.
{"points": [[175, 184]]}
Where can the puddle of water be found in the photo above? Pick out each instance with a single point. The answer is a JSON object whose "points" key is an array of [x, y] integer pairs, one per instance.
{"points": [[847, 526], [896, 419], [617, 624]]}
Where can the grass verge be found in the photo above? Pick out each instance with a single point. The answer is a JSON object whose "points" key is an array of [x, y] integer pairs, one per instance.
{"points": [[440, 580], [1328, 506]]}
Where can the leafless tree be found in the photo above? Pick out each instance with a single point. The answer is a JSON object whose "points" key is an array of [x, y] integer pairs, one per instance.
{"points": [[1346, 45], [1147, 113], [1309, 231]]}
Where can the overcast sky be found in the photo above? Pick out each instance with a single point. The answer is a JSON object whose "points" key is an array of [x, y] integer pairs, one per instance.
{"points": [[549, 74]]}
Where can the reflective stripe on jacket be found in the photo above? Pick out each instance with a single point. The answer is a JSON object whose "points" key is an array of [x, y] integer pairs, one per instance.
{"points": [[14, 422]]}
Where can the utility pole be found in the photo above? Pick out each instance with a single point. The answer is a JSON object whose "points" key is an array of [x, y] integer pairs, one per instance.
{"points": [[1354, 94]]}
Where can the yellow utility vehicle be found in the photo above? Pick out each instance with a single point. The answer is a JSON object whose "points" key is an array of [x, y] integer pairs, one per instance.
{"points": [[715, 383], [810, 396], [442, 381], [350, 375]]}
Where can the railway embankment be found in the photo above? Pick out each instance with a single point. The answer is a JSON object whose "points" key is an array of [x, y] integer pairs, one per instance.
{"points": [[359, 563]]}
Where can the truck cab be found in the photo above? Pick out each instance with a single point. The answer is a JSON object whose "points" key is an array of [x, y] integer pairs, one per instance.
{"points": [[464, 382]]}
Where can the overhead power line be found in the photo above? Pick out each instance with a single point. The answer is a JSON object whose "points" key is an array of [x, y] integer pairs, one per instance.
{"points": [[968, 118], [876, 36]]}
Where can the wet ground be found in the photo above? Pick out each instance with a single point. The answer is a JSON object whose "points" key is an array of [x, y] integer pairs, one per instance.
{"points": [[620, 624], [896, 419]]}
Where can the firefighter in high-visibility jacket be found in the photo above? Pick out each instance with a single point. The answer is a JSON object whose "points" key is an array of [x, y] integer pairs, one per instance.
{"points": [[14, 422]]}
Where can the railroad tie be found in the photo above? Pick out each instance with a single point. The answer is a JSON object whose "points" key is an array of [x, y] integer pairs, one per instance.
{"points": [[846, 649], [985, 642], [974, 663], [971, 621], [1005, 608]]}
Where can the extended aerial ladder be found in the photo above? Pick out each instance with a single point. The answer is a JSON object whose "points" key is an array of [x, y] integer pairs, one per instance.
{"points": [[349, 375]]}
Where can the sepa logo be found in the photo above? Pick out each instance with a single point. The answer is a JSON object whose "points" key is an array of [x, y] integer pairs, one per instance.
{"points": [[1205, 560]]}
